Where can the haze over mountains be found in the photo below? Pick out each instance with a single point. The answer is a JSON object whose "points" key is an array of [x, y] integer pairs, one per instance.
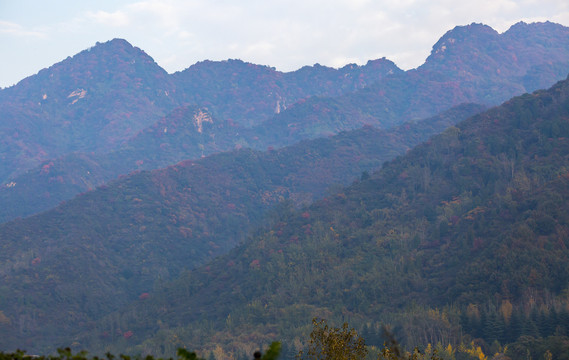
{"points": [[108, 101], [234, 140]]}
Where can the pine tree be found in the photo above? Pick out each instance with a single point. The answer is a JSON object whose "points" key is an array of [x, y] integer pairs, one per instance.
{"points": [[514, 328], [494, 328]]}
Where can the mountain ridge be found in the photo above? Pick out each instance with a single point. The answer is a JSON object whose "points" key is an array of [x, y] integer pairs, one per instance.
{"points": [[113, 90], [256, 106]]}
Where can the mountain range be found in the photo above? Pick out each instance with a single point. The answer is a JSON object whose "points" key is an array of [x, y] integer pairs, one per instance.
{"points": [[227, 204], [108, 108]]}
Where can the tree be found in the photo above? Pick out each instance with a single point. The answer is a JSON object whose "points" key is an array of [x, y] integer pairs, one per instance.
{"points": [[184, 354], [328, 343], [273, 351]]}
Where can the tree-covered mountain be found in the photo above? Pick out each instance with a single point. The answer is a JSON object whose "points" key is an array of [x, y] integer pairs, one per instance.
{"points": [[186, 133], [92, 101], [517, 54], [101, 105], [469, 64], [449, 234], [101, 97], [248, 94], [69, 266], [463, 237]]}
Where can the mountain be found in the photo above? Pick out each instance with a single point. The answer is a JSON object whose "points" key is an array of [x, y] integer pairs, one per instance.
{"points": [[91, 102], [469, 64], [93, 254], [248, 94], [101, 97], [250, 106], [178, 136], [427, 230], [186, 133], [462, 237], [510, 60], [104, 104]]}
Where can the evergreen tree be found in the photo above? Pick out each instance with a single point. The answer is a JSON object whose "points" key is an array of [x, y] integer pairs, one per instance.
{"points": [[494, 328], [564, 321], [529, 328], [514, 328]]}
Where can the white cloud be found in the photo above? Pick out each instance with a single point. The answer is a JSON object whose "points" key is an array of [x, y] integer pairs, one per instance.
{"points": [[286, 34], [262, 48], [113, 19], [13, 29]]}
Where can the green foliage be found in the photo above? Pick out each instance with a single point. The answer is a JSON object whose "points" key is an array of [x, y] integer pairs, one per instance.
{"points": [[184, 354], [272, 352], [144, 229]]}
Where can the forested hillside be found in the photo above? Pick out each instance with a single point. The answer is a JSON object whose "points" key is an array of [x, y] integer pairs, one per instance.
{"points": [[266, 210], [189, 133], [71, 265], [248, 94], [464, 237]]}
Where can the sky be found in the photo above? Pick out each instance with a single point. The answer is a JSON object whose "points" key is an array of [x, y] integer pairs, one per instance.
{"points": [[285, 34]]}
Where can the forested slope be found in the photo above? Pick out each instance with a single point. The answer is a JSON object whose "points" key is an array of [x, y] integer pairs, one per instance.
{"points": [[473, 223], [71, 265]]}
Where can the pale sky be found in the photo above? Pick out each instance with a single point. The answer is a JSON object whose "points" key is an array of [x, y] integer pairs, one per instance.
{"points": [[286, 34]]}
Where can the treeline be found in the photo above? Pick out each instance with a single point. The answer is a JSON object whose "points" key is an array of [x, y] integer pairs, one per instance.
{"points": [[344, 343]]}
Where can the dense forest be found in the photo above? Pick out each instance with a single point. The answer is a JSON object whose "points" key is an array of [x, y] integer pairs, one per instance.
{"points": [[462, 239], [171, 220]]}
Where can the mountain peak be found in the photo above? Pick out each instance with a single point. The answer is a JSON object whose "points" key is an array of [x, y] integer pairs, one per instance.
{"points": [[118, 42], [470, 31], [229, 67], [521, 30], [115, 49], [104, 56], [460, 34], [382, 62], [114, 45]]}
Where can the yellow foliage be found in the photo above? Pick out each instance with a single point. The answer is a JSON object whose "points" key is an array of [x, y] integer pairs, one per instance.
{"points": [[328, 343], [506, 310], [473, 350], [472, 312], [219, 353], [4, 320]]}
